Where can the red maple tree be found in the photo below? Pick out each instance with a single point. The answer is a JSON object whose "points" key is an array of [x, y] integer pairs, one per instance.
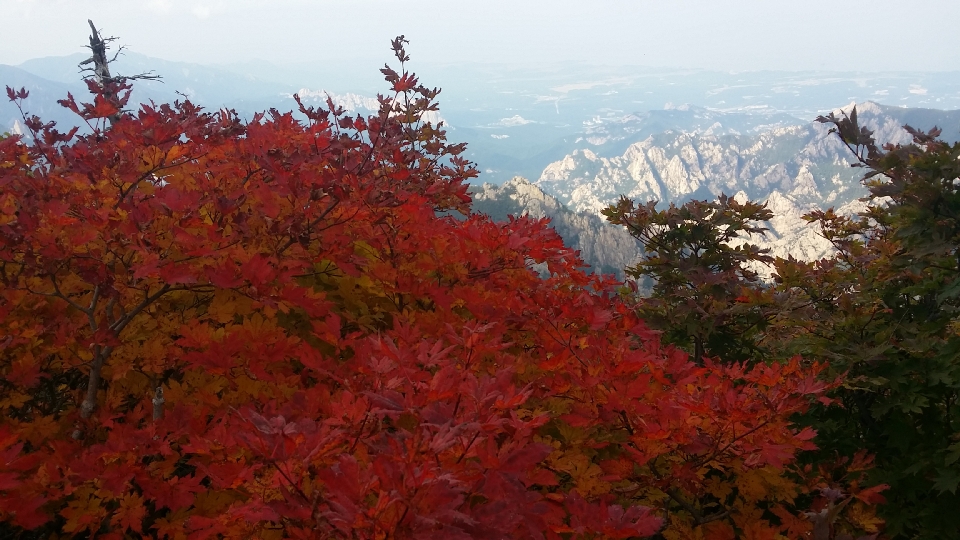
{"points": [[275, 328]]}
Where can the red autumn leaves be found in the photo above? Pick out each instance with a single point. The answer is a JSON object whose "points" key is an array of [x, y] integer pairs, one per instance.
{"points": [[339, 360]]}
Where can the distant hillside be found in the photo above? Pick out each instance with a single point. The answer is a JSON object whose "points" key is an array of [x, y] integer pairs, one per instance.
{"points": [[42, 102]]}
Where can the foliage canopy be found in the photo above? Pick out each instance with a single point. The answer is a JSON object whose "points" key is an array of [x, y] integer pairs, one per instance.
{"points": [[885, 311], [217, 328]]}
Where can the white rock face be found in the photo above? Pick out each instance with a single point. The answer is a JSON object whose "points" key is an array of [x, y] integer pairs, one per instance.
{"points": [[349, 101], [523, 195], [794, 169], [515, 120]]}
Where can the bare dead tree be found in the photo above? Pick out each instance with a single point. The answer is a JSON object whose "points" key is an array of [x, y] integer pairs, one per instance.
{"points": [[98, 66], [158, 402]]}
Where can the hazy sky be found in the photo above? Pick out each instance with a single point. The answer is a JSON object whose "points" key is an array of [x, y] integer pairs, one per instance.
{"points": [[722, 34]]}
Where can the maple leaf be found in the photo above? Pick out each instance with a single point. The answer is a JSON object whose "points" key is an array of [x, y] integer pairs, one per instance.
{"points": [[16, 95], [26, 511], [130, 514], [872, 495], [176, 274]]}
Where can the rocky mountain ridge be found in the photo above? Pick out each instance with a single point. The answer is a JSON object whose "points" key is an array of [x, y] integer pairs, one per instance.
{"points": [[793, 168]]}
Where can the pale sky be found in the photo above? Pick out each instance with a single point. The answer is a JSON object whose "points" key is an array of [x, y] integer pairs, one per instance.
{"points": [[865, 35]]}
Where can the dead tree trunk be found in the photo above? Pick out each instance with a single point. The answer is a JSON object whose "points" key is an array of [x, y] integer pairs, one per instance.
{"points": [[100, 69]]}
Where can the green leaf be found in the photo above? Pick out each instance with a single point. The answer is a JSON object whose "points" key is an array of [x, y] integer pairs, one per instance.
{"points": [[947, 480], [953, 454]]}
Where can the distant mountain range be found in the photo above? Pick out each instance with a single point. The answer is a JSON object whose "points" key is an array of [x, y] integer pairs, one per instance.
{"points": [[573, 131], [794, 168], [516, 119]]}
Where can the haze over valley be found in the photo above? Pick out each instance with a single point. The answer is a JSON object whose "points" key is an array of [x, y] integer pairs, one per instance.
{"points": [[564, 141]]}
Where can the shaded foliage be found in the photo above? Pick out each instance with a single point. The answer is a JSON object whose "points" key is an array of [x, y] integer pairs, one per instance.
{"points": [[706, 295], [884, 311]]}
